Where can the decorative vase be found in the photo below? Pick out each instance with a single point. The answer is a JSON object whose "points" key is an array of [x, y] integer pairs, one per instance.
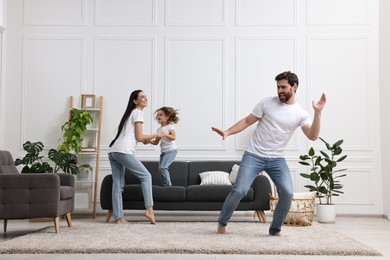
{"points": [[326, 213]]}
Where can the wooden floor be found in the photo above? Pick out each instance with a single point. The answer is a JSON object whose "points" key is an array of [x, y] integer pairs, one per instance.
{"points": [[372, 231]]}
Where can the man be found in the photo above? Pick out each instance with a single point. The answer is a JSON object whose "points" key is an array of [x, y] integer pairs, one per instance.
{"points": [[277, 118]]}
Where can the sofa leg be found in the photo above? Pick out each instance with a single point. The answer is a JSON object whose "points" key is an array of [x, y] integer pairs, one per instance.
{"points": [[68, 219], [57, 224], [5, 225], [109, 214], [261, 215]]}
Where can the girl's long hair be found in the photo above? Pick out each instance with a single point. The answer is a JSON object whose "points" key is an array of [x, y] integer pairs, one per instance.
{"points": [[125, 117]]}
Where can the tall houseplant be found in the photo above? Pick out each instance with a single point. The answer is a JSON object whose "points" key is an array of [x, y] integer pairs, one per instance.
{"points": [[324, 173]]}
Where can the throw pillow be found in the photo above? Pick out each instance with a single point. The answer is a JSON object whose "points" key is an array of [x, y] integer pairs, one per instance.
{"points": [[214, 178], [233, 173]]}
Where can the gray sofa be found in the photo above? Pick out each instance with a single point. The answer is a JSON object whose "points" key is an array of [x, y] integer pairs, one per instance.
{"points": [[26, 196], [186, 192]]}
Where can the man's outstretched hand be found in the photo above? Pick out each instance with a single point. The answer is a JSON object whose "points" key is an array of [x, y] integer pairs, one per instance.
{"points": [[220, 132], [320, 104]]}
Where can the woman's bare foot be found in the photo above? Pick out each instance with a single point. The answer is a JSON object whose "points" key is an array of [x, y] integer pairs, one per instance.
{"points": [[150, 215], [221, 229], [121, 221]]}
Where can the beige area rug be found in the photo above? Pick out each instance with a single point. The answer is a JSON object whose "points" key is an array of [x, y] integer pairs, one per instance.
{"points": [[185, 238]]}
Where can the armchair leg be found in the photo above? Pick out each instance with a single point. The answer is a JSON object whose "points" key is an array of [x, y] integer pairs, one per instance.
{"points": [[68, 219], [5, 225], [109, 214], [57, 224]]}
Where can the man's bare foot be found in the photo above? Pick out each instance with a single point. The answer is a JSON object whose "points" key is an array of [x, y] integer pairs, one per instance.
{"points": [[150, 215], [121, 221], [221, 229]]}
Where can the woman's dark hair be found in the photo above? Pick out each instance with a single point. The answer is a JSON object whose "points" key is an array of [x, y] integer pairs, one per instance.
{"points": [[289, 76], [129, 109]]}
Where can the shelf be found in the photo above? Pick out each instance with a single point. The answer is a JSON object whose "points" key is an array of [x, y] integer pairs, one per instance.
{"points": [[91, 139]]}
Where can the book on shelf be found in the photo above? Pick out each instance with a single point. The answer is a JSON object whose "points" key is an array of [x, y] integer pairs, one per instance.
{"points": [[88, 149]]}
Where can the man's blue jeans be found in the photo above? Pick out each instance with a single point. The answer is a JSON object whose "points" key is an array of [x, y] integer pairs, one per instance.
{"points": [[120, 161], [166, 158], [250, 166]]}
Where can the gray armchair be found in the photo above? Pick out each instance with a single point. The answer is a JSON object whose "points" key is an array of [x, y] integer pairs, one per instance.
{"points": [[26, 196]]}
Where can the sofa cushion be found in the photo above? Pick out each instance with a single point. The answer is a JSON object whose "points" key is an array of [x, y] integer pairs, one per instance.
{"points": [[214, 178], [196, 167], [211, 193], [169, 194]]}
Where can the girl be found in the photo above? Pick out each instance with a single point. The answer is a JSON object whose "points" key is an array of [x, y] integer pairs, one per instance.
{"points": [[121, 156], [167, 117]]}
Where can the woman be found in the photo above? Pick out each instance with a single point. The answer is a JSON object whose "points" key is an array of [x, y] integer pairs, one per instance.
{"points": [[121, 156]]}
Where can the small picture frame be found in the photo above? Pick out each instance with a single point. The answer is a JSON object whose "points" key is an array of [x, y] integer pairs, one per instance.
{"points": [[87, 101]]}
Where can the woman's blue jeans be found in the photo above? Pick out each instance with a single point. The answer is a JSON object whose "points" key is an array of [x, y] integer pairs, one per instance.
{"points": [[166, 158], [250, 166], [120, 161]]}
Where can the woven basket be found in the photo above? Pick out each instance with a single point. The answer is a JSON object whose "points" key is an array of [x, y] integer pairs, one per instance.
{"points": [[302, 208]]}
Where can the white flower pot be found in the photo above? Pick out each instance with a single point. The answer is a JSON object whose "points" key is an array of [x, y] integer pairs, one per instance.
{"points": [[326, 213], [83, 175]]}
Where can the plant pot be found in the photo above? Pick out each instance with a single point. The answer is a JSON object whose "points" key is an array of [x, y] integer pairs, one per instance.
{"points": [[326, 213], [83, 175]]}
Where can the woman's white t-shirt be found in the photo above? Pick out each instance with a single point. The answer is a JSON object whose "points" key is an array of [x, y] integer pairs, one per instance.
{"points": [[277, 123], [166, 144], [126, 141]]}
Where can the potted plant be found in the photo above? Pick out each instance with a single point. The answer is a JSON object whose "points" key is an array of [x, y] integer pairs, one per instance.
{"points": [[325, 175], [74, 129], [32, 161], [83, 173]]}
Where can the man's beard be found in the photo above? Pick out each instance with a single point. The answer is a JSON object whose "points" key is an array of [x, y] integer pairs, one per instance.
{"points": [[284, 97]]}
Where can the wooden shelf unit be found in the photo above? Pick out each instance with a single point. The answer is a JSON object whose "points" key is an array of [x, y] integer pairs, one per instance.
{"points": [[96, 113]]}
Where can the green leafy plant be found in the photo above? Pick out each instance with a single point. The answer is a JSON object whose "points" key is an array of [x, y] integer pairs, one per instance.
{"points": [[32, 161], [63, 160], [323, 171], [74, 129]]}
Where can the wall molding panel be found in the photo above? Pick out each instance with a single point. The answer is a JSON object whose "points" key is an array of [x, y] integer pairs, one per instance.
{"points": [[195, 70], [352, 55], [61, 73], [261, 13], [195, 12], [55, 12], [251, 84], [323, 12], [125, 13], [121, 62]]}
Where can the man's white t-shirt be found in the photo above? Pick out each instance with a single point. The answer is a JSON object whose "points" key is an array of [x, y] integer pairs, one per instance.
{"points": [[166, 144], [126, 141], [277, 123]]}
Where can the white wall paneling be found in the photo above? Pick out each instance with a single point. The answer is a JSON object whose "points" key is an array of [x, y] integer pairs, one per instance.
{"points": [[195, 84], [328, 12], [54, 12], [51, 65], [259, 60], [123, 65], [260, 12], [125, 12], [214, 60], [195, 12], [338, 66]]}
